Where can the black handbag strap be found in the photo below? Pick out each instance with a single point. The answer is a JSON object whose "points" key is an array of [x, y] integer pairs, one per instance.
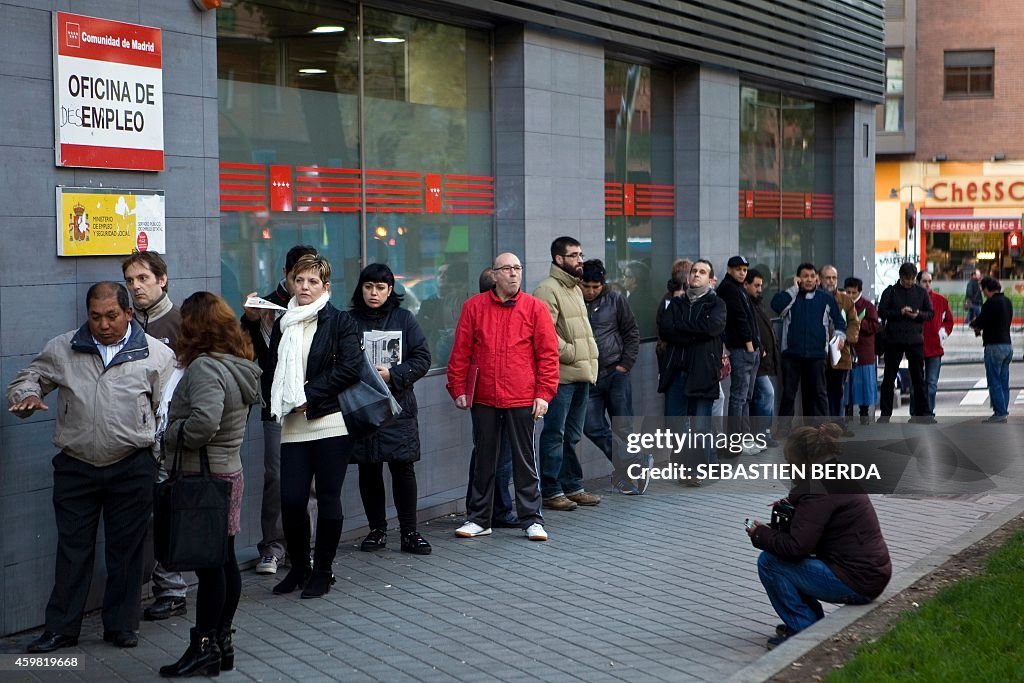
{"points": [[204, 457]]}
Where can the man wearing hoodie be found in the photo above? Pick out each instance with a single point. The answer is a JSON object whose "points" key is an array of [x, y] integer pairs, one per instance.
{"points": [[561, 476]]}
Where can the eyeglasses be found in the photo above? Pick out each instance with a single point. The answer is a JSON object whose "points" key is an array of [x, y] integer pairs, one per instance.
{"points": [[578, 257], [508, 270]]}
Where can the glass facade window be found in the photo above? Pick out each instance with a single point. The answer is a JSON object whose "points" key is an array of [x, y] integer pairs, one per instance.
{"points": [[364, 133], [786, 182], [890, 119], [639, 184], [969, 73]]}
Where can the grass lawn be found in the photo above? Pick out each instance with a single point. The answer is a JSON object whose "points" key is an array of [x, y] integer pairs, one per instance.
{"points": [[971, 631]]}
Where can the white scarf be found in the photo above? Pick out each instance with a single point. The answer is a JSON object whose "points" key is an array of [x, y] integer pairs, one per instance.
{"points": [[287, 392]]}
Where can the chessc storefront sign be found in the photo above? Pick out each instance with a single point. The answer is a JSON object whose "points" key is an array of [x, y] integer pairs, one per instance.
{"points": [[108, 94]]}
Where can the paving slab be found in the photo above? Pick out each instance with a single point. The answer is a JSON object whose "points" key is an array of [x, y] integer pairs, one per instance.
{"points": [[659, 587]]}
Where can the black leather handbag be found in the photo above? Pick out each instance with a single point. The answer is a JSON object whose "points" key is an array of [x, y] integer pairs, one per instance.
{"points": [[190, 516], [368, 404]]}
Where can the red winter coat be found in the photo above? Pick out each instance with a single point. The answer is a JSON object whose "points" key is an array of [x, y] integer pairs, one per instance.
{"points": [[943, 318], [513, 344]]}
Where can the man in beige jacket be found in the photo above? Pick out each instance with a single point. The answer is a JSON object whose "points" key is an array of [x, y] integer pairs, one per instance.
{"points": [[109, 376], [561, 476], [836, 374]]}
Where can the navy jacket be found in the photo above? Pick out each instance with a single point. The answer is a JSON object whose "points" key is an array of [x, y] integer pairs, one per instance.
{"points": [[805, 327]]}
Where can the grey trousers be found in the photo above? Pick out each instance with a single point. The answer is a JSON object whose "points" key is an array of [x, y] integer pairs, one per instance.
{"points": [[270, 509]]}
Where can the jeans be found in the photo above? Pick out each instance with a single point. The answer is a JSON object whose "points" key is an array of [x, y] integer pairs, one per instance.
{"points": [[973, 312], [741, 389], [612, 396], [997, 374], [560, 469], [835, 390], [762, 405], [678, 404], [795, 587], [931, 380]]}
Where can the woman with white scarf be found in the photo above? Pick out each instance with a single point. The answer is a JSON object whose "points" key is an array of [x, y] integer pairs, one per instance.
{"points": [[315, 354]]}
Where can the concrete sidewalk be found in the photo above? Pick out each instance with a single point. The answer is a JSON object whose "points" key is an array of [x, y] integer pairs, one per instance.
{"points": [[661, 587]]}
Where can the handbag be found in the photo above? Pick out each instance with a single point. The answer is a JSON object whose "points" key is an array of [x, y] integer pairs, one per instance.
{"points": [[190, 516], [368, 404], [782, 515]]}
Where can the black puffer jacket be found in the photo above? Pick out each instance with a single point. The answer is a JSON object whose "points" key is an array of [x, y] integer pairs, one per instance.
{"points": [[400, 440], [333, 361]]}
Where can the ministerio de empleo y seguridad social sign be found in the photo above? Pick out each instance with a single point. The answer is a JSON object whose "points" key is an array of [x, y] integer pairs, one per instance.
{"points": [[108, 113]]}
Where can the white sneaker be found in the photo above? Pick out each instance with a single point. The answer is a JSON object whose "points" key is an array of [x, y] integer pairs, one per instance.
{"points": [[471, 530], [535, 532], [267, 565], [751, 450]]}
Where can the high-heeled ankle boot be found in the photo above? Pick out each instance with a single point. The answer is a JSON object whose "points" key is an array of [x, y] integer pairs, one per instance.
{"points": [[319, 584], [202, 658], [295, 578], [227, 648], [328, 531]]}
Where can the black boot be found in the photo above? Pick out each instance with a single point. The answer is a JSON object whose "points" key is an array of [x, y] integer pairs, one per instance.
{"points": [[296, 534], [319, 584], [202, 658], [227, 649], [296, 578], [328, 531]]}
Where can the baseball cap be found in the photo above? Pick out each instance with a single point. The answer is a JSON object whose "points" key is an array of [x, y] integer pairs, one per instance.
{"points": [[737, 261]]}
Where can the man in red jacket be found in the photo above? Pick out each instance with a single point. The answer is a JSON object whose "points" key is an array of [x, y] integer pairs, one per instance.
{"points": [[935, 332], [504, 369]]}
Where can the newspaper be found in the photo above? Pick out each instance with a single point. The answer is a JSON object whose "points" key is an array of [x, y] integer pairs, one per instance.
{"points": [[383, 347], [260, 302]]}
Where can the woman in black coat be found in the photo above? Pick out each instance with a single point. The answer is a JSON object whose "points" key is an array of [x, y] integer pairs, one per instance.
{"points": [[314, 355], [375, 308]]}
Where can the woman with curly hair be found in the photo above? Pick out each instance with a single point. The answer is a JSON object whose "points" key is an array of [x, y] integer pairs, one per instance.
{"points": [[833, 549], [208, 412]]}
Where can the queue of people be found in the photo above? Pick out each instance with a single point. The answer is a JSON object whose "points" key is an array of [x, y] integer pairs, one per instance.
{"points": [[562, 355]]}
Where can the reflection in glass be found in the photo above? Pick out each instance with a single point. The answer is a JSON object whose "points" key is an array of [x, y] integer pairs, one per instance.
{"points": [[786, 183], [297, 168], [639, 185]]}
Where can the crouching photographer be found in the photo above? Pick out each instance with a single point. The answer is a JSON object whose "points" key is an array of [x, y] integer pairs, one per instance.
{"points": [[833, 550]]}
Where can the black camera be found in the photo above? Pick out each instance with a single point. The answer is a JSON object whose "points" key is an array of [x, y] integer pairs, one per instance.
{"points": [[782, 515]]}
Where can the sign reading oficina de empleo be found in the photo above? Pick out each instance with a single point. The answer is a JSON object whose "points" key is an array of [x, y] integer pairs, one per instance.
{"points": [[102, 222], [108, 94]]}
